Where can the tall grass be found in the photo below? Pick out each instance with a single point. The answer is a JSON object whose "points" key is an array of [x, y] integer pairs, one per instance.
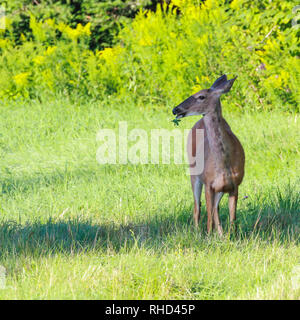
{"points": [[73, 229]]}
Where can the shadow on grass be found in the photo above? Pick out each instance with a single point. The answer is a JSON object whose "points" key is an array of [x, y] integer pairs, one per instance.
{"points": [[276, 218]]}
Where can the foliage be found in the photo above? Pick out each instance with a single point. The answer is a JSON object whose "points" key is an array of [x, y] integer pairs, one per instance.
{"points": [[163, 56], [105, 16], [171, 58]]}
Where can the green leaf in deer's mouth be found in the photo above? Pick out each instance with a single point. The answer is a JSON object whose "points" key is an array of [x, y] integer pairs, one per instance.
{"points": [[176, 122]]}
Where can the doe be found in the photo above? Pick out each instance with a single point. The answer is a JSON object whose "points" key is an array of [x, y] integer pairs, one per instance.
{"points": [[224, 157]]}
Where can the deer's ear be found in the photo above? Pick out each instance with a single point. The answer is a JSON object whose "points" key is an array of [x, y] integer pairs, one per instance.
{"points": [[219, 82], [223, 86]]}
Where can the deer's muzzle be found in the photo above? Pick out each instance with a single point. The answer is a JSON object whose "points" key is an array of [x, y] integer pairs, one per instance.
{"points": [[178, 112]]}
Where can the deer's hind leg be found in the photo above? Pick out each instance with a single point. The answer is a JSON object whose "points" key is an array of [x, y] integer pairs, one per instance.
{"points": [[197, 186], [217, 199], [232, 204]]}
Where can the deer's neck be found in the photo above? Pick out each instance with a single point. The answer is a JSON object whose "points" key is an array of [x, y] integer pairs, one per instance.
{"points": [[216, 136]]}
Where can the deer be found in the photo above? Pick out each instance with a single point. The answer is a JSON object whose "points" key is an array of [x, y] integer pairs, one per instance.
{"points": [[224, 156]]}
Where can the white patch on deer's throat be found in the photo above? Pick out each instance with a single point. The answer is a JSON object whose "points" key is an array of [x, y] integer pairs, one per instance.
{"points": [[193, 113]]}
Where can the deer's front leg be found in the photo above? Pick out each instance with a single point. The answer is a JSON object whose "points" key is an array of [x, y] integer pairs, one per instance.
{"points": [[197, 190], [209, 197]]}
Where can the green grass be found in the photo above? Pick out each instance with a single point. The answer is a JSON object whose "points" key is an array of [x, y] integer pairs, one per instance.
{"points": [[73, 229]]}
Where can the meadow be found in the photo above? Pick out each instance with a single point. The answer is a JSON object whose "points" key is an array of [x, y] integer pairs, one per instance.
{"points": [[71, 228]]}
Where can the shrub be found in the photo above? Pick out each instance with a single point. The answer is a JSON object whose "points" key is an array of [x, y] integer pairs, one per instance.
{"points": [[170, 57], [105, 16], [163, 56]]}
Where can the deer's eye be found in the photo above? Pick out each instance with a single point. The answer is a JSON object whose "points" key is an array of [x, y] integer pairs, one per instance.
{"points": [[201, 97]]}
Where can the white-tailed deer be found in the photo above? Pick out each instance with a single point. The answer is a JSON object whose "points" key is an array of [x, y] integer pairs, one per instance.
{"points": [[224, 157]]}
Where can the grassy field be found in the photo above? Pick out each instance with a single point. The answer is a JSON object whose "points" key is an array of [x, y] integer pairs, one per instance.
{"points": [[71, 228]]}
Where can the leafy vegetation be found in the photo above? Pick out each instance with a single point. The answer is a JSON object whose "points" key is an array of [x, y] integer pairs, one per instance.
{"points": [[105, 17], [71, 228], [160, 56]]}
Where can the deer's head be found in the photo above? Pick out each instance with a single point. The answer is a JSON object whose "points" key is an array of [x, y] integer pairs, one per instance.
{"points": [[205, 100]]}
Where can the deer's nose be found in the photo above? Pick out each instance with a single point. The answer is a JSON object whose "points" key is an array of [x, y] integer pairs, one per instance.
{"points": [[175, 110]]}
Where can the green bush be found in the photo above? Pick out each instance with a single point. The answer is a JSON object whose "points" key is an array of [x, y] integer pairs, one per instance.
{"points": [[105, 16], [163, 56], [170, 57]]}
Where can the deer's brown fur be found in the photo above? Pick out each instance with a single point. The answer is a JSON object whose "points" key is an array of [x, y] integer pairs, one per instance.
{"points": [[224, 156]]}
